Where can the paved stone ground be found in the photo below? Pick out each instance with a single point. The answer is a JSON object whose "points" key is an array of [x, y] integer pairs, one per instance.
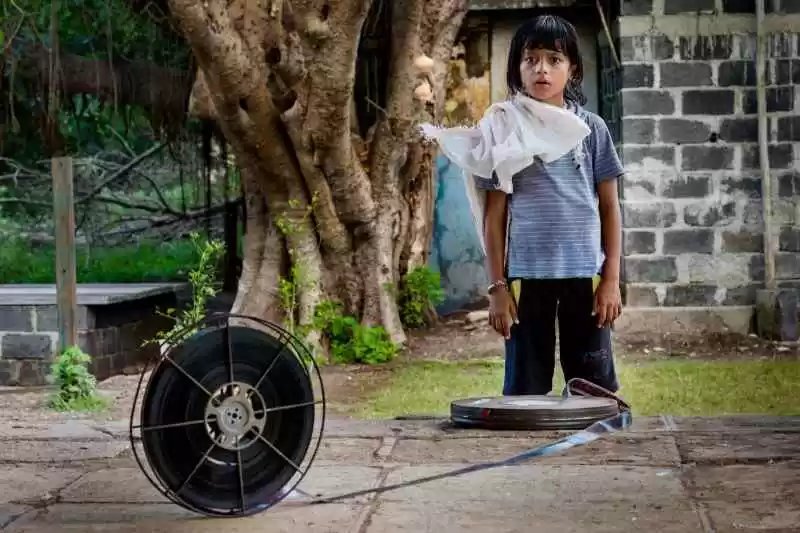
{"points": [[666, 474]]}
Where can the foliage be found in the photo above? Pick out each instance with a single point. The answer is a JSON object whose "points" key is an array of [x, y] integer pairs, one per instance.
{"points": [[148, 261], [104, 30], [350, 340], [202, 279], [75, 385], [421, 291]]}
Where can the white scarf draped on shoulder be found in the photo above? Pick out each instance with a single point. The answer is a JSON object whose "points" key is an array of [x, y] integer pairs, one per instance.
{"points": [[508, 138]]}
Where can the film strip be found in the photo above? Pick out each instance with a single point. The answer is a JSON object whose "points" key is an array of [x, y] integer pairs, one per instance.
{"points": [[618, 422]]}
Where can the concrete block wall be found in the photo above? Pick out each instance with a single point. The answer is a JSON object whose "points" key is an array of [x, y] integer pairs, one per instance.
{"points": [[111, 334], [687, 128]]}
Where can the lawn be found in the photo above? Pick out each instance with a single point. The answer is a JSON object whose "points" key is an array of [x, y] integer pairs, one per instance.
{"points": [[676, 387]]}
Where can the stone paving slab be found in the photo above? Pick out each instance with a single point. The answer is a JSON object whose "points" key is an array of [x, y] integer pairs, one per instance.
{"points": [[748, 498], [60, 450], [738, 423], [564, 499], [34, 483], [72, 429], [760, 446], [649, 450], [10, 512], [339, 518], [103, 486], [347, 451], [444, 429], [632, 481]]}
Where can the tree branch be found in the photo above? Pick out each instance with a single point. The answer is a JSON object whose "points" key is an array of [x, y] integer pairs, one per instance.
{"points": [[162, 91], [123, 171]]}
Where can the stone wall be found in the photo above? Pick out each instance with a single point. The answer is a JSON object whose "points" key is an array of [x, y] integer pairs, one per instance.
{"points": [[111, 334], [688, 132]]}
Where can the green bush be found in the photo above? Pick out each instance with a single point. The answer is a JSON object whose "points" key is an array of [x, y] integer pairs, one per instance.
{"points": [[421, 292], [75, 385], [351, 341]]}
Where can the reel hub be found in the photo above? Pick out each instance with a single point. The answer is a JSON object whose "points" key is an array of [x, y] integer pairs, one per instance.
{"points": [[235, 415]]}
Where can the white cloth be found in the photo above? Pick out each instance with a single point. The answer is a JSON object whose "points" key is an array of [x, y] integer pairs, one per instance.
{"points": [[507, 139]]}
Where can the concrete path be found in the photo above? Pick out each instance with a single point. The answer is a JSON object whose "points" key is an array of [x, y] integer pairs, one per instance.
{"points": [[665, 475]]}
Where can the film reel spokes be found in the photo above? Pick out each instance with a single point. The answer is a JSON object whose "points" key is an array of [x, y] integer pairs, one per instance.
{"points": [[231, 416]]}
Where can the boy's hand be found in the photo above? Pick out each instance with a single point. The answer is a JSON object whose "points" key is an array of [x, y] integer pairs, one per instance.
{"points": [[502, 312], [607, 303]]}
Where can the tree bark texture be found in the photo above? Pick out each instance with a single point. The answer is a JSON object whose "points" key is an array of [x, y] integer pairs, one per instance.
{"points": [[354, 214]]}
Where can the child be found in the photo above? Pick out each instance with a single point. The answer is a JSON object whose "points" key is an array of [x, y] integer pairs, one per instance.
{"points": [[563, 247]]}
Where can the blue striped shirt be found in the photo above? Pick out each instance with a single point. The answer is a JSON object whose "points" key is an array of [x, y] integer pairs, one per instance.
{"points": [[554, 228]]}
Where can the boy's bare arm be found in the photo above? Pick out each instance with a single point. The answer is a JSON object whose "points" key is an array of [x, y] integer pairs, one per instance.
{"points": [[611, 228], [494, 225]]}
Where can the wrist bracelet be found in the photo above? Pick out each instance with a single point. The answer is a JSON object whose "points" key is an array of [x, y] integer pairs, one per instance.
{"points": [[495, 284]]}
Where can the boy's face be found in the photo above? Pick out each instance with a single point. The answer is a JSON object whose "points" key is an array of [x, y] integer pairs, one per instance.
{"points": [[545, 74]]}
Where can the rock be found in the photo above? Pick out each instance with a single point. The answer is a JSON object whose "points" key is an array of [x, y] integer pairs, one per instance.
{"points": [[478, 316]]}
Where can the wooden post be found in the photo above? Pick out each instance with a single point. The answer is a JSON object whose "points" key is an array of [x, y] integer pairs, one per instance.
{"points": [[66, 278], [763, 148]]}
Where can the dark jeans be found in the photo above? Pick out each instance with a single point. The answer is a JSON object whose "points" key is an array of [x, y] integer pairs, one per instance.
{"points": [[585, 350]]}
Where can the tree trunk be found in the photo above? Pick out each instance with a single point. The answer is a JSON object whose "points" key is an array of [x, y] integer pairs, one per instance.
{"points": [[346, 216]]}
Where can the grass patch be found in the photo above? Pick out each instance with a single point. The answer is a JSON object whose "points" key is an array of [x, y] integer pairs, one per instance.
{"points": [[700, 388], [148, 261], [712, 388], [428, 387], [83, 404]]}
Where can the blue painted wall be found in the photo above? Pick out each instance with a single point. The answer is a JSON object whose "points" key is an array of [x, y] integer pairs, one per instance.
{"points": [[455, 247]]}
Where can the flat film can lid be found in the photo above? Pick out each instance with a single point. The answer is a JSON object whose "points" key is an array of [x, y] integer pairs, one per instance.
{"points": [[532, 412]]}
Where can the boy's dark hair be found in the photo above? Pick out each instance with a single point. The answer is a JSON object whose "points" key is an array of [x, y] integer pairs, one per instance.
{"points": [[553, 33]]}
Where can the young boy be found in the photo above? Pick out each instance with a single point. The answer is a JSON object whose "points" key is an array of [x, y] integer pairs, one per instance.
{"points": [[564, 231]]}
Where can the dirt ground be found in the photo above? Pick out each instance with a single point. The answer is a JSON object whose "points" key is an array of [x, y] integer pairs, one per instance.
{"points": [[468, 336], [459, 337]]}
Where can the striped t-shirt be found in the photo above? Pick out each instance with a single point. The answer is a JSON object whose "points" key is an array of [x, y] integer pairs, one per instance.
{"points": [[554, 215]]}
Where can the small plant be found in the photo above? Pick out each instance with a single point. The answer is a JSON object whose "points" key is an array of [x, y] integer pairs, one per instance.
{"points": [[288, 290], [75, 385], [421, 291], [351, 341], [203, 281]]}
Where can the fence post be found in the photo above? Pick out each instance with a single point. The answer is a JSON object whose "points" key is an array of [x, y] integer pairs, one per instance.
{"points": [[66, 278]]}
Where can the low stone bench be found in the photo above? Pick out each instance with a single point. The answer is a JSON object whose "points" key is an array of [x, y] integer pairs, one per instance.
{"points": [[113, 321]]}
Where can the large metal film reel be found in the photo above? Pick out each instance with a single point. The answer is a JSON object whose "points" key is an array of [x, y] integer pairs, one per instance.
{"points": [[535, 412], [231, 416]]}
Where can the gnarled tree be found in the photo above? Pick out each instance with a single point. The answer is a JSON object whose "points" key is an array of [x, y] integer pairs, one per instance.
{"points": [[278, 78]]}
